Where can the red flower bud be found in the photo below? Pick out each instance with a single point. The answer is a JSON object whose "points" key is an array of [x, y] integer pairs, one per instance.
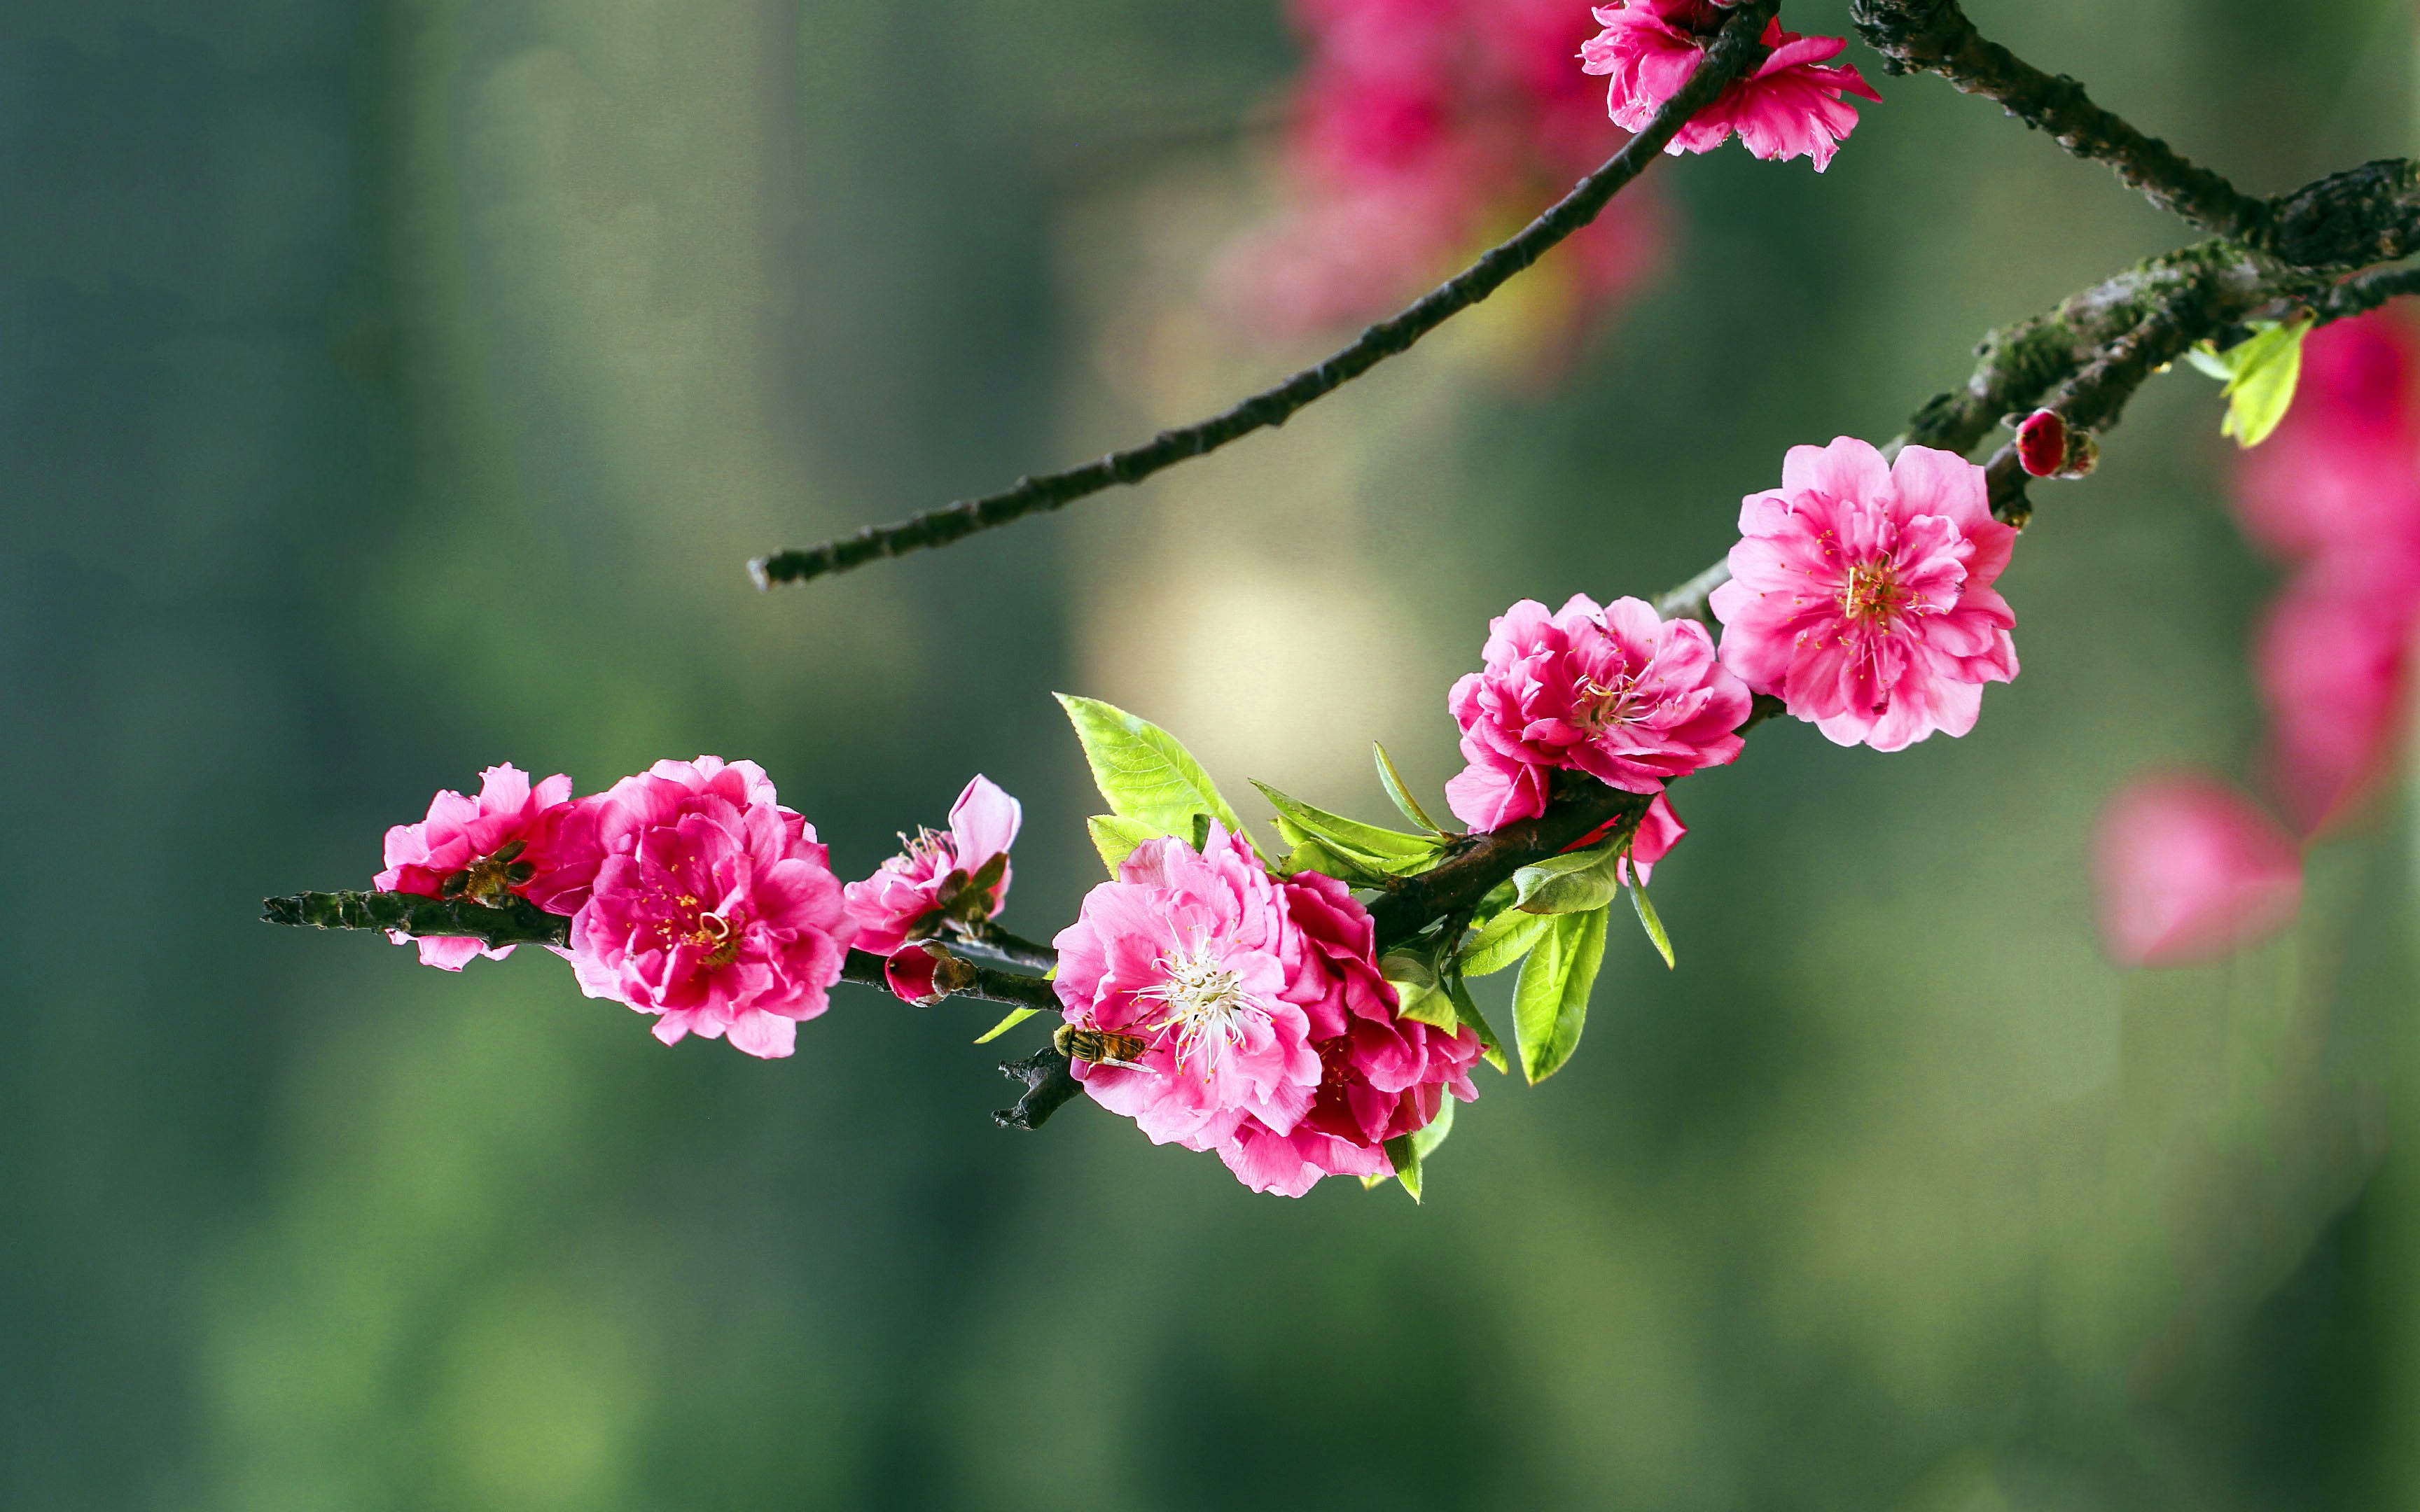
{"points": [[2041, 444], [922, 974]]}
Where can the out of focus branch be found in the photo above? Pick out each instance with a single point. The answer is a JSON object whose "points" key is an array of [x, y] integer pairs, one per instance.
{"points": [[1735, 50], [1935, 36]]}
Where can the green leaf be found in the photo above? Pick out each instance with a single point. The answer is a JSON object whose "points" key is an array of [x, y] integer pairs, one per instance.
{"points": [[1578, 881], [1116, 839], [2261, 375], [1550, 1001], [1474, 1021], [1419, 995], [1389, 851], [1501, 941], [1402, 1155], [1653, 924], [1015, 1017], [1144, 772], [1401, 795]]}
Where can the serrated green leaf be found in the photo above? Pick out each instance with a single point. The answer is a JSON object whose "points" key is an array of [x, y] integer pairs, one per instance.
{"points": [[1491, 1049], [1116, 839], [1387, 851], [1550, 1001], [2261, 375], [1577, 882], [1654, 925], [1407, 1161], [1501, 942], [1419, 995], [1400, 794], [1015, 1017], [1145, 773]]}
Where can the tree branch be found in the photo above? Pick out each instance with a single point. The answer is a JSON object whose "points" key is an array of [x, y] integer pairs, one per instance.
{"points": [[1935, 36], [522, 923], [2359, 295], [1735, 49]]}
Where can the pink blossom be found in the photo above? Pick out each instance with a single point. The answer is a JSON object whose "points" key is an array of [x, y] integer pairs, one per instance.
{"points": [[1620, 693], [2343, 468], [2334, 659], [1861, 594], [2191, 871], [1194, 953], [959, 875], [497, 845], [1381, 1076], [1790, 107], [1421, 130], [711, 905]]}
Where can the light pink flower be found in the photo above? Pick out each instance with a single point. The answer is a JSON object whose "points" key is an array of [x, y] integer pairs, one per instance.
{"points": [[712, 905], [1861, 594], [2334, 658], [1619, 692], [960, 874], [1194, 953], [2191, 871], [1381, 1076], [1790, 107], [497, 845]]}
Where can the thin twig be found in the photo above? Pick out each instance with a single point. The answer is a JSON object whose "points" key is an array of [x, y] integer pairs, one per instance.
{"points": [[1734, 49], [1935, 36]]}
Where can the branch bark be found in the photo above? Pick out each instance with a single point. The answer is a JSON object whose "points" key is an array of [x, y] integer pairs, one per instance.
{"points": [[522, 923], [1735, 49]]}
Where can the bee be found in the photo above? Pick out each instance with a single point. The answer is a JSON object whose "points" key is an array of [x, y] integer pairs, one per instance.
{"points": [[1100, 1047]]}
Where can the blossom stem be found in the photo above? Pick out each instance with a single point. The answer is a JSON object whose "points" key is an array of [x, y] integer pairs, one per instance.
{"points": [[518, 923], [1935, 36], [1014, 949], [1735, 50]]}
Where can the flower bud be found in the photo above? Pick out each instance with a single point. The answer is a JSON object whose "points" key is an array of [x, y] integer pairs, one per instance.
{"points": [[922, 974], [2041, 444]]}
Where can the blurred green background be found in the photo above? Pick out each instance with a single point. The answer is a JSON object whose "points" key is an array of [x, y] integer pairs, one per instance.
{"points": [[390, 389]]}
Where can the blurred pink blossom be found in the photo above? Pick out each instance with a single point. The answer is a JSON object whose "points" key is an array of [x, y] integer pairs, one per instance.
{"points": [[960, 873], [711, 907], [1619, 692], [1421, 131], [1790, 107], [2333, 656], [2191, 871], [497, 845], [1861, 594]]}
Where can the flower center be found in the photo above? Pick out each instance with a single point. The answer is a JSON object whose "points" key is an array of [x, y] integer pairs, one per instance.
{"points": [[490, 880], [1602, 707], [719, 936], [1872, 595], [1205, 1004]]}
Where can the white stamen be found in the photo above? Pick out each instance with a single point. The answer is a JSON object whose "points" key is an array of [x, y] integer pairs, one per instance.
{"points": [[1205, 1004]]}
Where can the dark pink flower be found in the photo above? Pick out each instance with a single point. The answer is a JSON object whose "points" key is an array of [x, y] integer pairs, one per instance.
{"points": [[960, 874], [1790, 107], [2191, 871], [711, 905], [1861, 594], [1620, 693], [1381, 1076], [1193, 953], [497, 845]]}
